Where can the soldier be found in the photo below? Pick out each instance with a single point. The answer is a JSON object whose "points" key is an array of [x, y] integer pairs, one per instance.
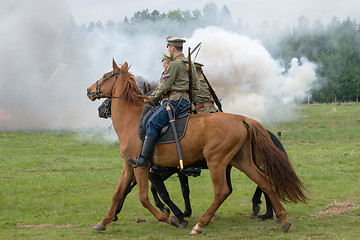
{"points": [[166, 60], [173, 91], [204, 102]]}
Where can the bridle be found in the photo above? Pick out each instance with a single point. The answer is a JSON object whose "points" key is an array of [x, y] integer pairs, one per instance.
{"points": [[98, 94]]}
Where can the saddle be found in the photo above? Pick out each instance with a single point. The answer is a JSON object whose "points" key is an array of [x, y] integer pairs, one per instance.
{"points": [[166, 134]]}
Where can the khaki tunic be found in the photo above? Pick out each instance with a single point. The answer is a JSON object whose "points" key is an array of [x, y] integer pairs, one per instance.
{"points": [[175, 78], [156, 90], [203, 95]]}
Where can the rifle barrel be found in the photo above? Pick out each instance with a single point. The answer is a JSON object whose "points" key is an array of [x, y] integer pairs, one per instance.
{"points": [[190, 81], [212, 92], [195, 48]]}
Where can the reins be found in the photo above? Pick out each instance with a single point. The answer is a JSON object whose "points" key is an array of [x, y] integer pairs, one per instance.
{"points": [[98, 94]]}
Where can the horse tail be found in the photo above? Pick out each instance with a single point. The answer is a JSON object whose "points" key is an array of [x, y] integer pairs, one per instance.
{"points": [[275, 164]]}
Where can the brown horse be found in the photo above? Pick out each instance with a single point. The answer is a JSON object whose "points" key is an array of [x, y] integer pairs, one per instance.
{"points": [[207, 137]]}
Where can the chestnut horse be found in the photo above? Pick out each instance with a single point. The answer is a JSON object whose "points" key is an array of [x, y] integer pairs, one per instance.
{"points": [[220, 138]]}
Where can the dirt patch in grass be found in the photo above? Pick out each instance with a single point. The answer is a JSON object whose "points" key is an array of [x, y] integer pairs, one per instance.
{"points": [[337, 208], [352, 198], [258, 228], [263, 228], [43, 225]]}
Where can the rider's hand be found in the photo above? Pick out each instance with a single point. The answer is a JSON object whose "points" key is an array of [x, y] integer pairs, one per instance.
{"points": [[149, 101]]}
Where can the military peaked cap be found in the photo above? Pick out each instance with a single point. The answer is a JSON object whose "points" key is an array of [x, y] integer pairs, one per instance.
{"points": [[166, 56], [198, 65], [177, 42]]}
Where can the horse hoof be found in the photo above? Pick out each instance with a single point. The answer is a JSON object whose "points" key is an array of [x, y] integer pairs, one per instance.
{"points": [[196, 230], [187, 214], [99, 227], [286, 226], [256, 210], [264, 217], [183, 224], [174, 221]]}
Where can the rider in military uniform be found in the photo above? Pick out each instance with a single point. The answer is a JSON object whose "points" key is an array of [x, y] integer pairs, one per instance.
{"points": [[166, 60], [173, 91], [204, 102]]}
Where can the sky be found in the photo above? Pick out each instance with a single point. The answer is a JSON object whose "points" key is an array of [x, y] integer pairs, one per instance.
{"points": [[253, 12]]}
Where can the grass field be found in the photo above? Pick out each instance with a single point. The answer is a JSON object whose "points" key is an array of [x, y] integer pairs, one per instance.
{"points": [[57, 185]]}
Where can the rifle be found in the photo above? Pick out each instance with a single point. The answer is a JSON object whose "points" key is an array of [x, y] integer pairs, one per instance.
{"points": [[190, 81], [212, 92], [195, 48]]}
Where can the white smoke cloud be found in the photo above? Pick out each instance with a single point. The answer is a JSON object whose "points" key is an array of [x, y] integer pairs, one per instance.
{"points": [[247, 78], [37, 89], [46, 66]]}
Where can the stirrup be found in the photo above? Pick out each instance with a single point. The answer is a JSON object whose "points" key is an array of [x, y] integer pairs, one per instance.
{"points": [[191, 171], [139, 161]]}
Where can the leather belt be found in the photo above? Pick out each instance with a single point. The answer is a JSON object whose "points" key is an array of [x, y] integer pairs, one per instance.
{"points": [[172, 92], [203, 105]]}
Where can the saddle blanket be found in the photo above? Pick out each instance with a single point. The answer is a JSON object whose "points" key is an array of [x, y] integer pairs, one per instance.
{"points": [[166, 134]]}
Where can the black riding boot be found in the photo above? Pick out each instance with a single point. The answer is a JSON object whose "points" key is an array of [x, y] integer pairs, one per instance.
{"points": [[146, 153]]}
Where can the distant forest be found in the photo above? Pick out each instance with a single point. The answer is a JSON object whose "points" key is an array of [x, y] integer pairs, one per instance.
{"points": [[335, 48]]}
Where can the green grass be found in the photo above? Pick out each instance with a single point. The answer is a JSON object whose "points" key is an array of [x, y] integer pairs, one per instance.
{"points": [[57, 185]]}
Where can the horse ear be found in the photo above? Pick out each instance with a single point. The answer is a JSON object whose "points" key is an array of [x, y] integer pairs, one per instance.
{"points": [[144, 88], [115, 66], [126, 65]]}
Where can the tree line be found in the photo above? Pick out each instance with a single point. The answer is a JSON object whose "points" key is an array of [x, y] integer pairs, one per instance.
{"points": [[335, 48]]}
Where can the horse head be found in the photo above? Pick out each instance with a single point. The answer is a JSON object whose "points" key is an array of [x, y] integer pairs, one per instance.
{"points": [[105, 86], [118, 83]]}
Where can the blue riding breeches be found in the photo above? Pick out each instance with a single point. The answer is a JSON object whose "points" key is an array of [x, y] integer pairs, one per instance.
{"points": [[160, 117]]}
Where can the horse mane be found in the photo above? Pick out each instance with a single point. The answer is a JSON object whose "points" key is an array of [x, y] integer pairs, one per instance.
{"points": [[130, 91]]}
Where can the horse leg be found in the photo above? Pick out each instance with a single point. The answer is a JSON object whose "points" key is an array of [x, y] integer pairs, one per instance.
{"points": [[244, 163], [142, 176], [161, 190], [184, 183], [125, 178], [265, 184], [164, 174], [122, 200], [269, 209], [256, 201], [228, 178], [221, 192], [257, 195], [157, 200]]}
